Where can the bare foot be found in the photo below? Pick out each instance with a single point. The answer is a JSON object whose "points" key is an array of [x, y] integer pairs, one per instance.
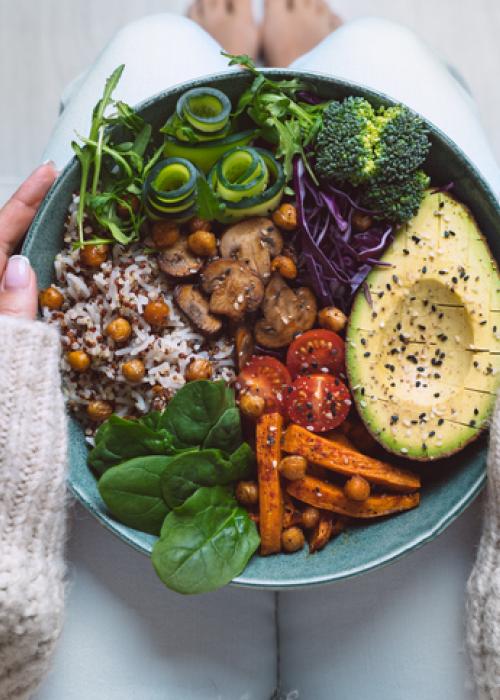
{"points": [[293, 27], [230, 22]]}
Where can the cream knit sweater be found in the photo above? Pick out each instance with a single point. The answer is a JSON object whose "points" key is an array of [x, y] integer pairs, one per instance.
{"points": [[32, 503], [483, 591], [32, 521]]}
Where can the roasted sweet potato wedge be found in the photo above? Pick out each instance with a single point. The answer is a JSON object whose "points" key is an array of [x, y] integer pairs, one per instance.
{"points": [[347, 461], [268, 447], [331, 497]]}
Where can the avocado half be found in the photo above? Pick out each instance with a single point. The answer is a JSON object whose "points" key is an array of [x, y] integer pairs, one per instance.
{"points": [[423, 341]]}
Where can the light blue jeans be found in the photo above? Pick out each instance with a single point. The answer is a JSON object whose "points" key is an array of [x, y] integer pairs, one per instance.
{"points": [[395, 634]]}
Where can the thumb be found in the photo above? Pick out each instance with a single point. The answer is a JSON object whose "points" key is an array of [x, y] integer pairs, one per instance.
{"points": [[18, 292]]}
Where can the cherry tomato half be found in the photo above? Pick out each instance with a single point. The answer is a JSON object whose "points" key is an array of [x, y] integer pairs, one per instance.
{"points": [[316, 351], [267, 377], [318, 402]]}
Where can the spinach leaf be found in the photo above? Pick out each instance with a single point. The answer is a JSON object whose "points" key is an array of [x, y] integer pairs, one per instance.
{"points": [[132, 492], [226, 434], [195, 409], [190, 470], [119, 439], [204, 543]]}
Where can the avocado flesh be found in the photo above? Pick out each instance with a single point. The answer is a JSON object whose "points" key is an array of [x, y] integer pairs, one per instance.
{"points": [[423, 359]]}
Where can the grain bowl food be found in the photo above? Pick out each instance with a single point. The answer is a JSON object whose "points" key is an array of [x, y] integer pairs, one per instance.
{"points": [[268, 321]]}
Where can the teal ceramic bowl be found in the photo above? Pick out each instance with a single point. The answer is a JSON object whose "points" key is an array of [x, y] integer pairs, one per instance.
{"points": [[449, 485]]}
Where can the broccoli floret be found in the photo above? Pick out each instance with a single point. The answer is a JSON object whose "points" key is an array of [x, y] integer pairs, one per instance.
{"points": [[403, 143], [345, 144], [396, 201], [356, 144]]}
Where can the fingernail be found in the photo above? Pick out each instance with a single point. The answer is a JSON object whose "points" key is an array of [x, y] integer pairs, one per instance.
{"points": [[52, 165], [17, 274]]}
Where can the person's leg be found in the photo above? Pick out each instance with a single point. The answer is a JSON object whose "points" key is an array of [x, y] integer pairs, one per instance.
{"points": [[158, 51], [198, 648], [390, 58]]}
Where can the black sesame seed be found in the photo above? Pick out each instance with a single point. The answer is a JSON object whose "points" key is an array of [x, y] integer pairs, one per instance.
{"points": [[476, 411], [415, 239], [424, 269], [432, 433], [436, 395], [441, 421], [417, 383], [420, 369], [412, 358], [454, 280], [440, 316], [483, 323], [395, 279], [476, 363], [363, 341], [394, 419], [472, 423], [442, 272], [406, 251], [367, 354]]}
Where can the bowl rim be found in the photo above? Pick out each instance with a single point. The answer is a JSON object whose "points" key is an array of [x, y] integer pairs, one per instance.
{"points": [[431, 532]]}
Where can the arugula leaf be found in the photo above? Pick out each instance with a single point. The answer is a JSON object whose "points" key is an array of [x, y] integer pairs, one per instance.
{"points": [[204, 543], [190, 470], [208, 206], [132, 492]]}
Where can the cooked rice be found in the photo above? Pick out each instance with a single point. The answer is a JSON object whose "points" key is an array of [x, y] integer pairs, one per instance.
{"points": [[122, 287]]}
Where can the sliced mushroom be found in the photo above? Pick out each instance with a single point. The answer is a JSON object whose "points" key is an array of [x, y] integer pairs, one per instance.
{"points": [[244, 346], [192, 302], [254, 241], [178, 261], [286, 312], [234, 288]]}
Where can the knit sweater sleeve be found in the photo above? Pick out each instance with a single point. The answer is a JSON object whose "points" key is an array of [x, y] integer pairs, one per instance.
{"points": [[32, 503], [483, 590]]}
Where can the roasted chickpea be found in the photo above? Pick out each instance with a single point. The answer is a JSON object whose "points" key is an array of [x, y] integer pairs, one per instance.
{"points": [[133, 201], [51, 298], [310, 517], [286, 217], [119, 329], [78, 360], [357, 488], [203, 243], [197, 224], [285, 266], [198, 369], [332, 318], [292, 539], [361, 222], [156, 313], [134, 370], [99, 411], [247, 493], [165, 234], [293, 467], [94, 255], [252, 405]]}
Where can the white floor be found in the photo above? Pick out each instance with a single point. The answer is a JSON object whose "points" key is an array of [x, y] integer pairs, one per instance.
{"points": [[45, 43]]}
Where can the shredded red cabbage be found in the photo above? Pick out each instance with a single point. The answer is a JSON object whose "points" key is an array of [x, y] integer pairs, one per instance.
{"points": [[337, 258]]}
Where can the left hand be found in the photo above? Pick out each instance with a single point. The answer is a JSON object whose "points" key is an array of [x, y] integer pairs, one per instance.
{"points": [[18, 289]]}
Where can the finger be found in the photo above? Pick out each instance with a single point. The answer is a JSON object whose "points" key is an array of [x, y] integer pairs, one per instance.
{"points": [[18, 291], [17, 215]]}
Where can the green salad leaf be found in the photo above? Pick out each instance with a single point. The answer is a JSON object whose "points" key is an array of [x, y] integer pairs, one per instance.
{"points": [[120, 439], [132, 492], [190, 470], [204, 543], [226, 434], [195, 409]]}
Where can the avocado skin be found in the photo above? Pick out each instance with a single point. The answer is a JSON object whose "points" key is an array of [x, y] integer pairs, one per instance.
{"points": [[423, 360]]}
